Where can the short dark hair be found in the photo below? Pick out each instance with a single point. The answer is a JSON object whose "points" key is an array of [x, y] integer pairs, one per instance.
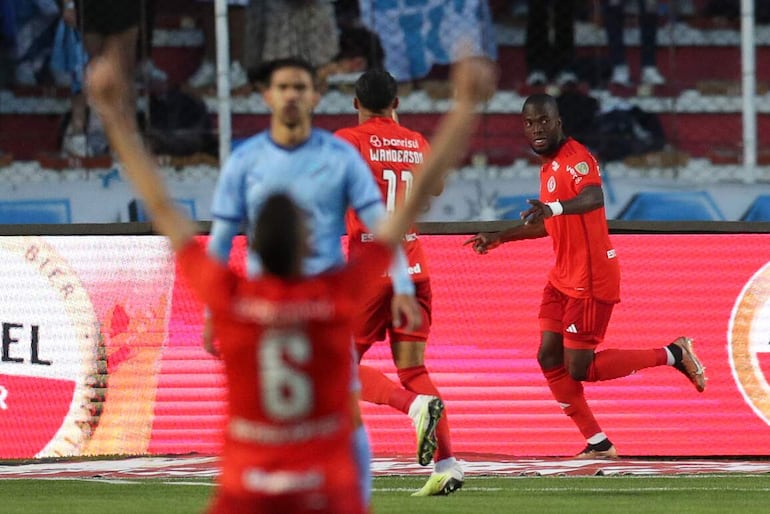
{"points": [[276, 235], [376, 89], [541, 100], [263, 73]]}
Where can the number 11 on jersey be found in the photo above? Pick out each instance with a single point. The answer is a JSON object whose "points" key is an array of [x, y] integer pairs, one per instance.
{"points": [[392, 179]]}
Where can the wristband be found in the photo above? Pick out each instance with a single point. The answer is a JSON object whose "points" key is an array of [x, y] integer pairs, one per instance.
{"points": [[556, 208]]}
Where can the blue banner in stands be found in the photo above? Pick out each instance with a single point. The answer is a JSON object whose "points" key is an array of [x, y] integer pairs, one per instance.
{"points": [[417, 35]]}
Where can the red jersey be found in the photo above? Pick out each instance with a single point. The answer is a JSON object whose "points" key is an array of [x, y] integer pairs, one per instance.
{"points": [[287, 351], [393, 153], [586, 264]]}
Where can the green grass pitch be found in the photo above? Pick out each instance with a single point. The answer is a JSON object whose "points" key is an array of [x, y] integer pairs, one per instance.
{"points": [[696, 494]]}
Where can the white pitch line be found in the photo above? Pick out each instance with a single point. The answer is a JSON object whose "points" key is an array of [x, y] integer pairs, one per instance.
{"points": [[634, 489], [412, 489], [207, 484]]}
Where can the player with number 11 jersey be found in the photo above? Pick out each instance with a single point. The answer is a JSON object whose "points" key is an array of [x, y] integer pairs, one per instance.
{"points": [[393, 152], [395, 155]]}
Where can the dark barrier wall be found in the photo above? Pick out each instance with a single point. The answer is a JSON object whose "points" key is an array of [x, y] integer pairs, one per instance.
{"points": [[100, 350]]}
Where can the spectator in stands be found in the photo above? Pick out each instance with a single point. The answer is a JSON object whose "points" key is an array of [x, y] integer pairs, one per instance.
{"points": [[550, 42], [68, 62], [7, 40], [35, 23], [122, 28], [279, 29], [360, 50], [614, 15], [147, 74], [731, 10], [206, 74], [110, 28], [267, 30]]}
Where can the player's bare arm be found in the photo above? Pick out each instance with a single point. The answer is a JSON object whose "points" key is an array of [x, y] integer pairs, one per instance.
{"points": [[483, 242], [589, 199], [109, 96]]}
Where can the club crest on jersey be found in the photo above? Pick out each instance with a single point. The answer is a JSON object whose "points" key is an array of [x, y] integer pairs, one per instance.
{"points": [[375, 141], [582, 167], [551, 184], [574, 174]]}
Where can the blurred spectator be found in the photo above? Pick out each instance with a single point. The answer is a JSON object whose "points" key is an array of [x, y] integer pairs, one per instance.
{"points": [[68, 57], [34, 31], [550, 43], [147, 73], [360, 50], [347, 13], [7, 40], [731, 10], [68, 63], [291, 28], [418, 35], [614, 16], [109, 28], [206, 74], [83, 135], [179, 125]]}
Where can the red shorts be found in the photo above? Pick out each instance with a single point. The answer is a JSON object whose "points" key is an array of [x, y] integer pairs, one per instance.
{"points": [[375, 321], [326, 482], [582, 321], [316, 503]]}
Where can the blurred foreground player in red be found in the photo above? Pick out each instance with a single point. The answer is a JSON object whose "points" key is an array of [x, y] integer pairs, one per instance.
{"points": [[584, 284], [394, 154], [285, 339]]}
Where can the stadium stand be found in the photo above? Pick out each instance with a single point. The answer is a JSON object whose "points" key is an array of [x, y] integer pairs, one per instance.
{"points": [[672, 206], [759, 209], [56, 210], [137, 212], [699, 107], [510, 207]]}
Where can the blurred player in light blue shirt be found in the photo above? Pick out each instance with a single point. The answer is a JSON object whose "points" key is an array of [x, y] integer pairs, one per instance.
{"points": [[324, 175]]}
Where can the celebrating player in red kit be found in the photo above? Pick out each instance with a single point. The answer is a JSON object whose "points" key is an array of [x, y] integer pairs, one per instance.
{"points": [[584, 283], [395, 154]]}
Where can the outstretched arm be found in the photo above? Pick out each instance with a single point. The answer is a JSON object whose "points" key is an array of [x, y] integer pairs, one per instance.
{"points": [[589, 199], [108, 95], [485, 241], [474, 80]]}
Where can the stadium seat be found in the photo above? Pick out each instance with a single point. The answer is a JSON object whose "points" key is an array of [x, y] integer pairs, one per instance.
{"points": [[42, 211], [671, 206], [136, 210], [759, 210], [510, 207]]}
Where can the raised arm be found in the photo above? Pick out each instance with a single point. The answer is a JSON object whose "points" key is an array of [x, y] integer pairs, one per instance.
{"points": [[474, 80], [108, 95]]}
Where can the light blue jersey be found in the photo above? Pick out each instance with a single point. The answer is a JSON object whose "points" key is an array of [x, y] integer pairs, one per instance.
{"points": [[324, 175]]}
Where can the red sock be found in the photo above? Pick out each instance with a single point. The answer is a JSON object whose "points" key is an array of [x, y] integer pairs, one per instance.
{"points": [[377, 388], [609, 364], [569, 393], [418, 380]]}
